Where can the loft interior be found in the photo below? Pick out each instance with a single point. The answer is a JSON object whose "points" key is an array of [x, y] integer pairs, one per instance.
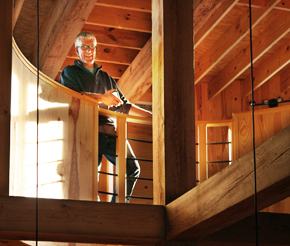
{"points": [[190, 62]]}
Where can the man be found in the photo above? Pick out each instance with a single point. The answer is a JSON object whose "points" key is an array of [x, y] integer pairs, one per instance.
{"points": [[87, 78]]}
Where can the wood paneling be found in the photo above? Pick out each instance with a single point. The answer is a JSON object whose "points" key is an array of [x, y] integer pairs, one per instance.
{"points": [[118, 37], [141, 5], [5, 94], [116, 17], [66, 144]]}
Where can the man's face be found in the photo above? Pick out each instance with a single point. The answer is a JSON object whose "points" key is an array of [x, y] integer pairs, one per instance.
{"points": [[87, 56]]}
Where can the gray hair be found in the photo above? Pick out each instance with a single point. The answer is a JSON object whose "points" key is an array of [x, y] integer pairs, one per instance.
{"points": [[84, 35]]}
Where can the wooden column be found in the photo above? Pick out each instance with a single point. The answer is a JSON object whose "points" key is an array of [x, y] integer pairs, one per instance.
{"points": [[5, 92], [121, 160], [173, 99]]}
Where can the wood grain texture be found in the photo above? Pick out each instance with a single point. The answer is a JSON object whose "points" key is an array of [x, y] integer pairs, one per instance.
{"points": [[264, 42], [118, 37], [64, 21], [268, 69], [173, 91], [5, 94], [207, 15], [273, 230], [81, 221], [228, 196], [137, 79], [66, 142], [223, 46], [115, 17], [16, 11], [141, 5]]}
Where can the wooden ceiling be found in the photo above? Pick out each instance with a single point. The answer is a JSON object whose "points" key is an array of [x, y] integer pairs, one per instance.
{"points": [[123, 31]]}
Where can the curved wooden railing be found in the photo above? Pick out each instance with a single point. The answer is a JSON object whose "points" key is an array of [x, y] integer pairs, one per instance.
{"points": [[67, 138]]}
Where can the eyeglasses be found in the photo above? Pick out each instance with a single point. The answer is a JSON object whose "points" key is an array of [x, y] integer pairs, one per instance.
{"points": [[85, 47]]}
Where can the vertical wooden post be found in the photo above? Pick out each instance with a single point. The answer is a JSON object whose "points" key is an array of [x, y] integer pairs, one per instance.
{"points": [[5, 92], [96, 153], [202, 152], [173, 99], [121, 159]]}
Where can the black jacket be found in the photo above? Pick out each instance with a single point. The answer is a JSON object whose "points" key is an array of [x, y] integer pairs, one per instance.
{"points": [[80, 79]]}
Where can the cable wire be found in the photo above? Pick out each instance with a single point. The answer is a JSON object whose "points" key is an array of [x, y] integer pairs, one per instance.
{"points": [[37, 122], [253, 126]]}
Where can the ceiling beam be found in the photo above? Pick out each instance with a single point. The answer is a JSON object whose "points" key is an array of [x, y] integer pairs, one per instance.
{"points": [[137, 79], [228, 196], [107, 53], [16, 11], [63, 22], [208, 15], [223, 45], [255, 3], [118, 37], [140, 5], [273, 229], [263, 43], [80, 221], [116, 17], [268, 69]]}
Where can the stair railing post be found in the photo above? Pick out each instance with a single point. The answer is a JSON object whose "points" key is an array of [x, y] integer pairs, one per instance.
{"points": [[121, 159]]}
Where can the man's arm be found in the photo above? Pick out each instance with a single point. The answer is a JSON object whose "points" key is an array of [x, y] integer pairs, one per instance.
{"points": [[108, 98]]}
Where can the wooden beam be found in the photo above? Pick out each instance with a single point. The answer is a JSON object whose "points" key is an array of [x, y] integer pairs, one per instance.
{"points": [[255, 3], [118, 37], [268, 68], [140, 5], [16, 11], [64, 21], [5, 93], [263, 43], [285, 81], [227, 197], [107, 53], [273, 229], [224, 45], [116, 17], [208, 15], [80, 221], [137, 79], [12, 243], [173, 91]]}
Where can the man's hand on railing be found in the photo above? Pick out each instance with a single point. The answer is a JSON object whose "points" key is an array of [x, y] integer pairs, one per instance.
{"points": [[108, 98]]}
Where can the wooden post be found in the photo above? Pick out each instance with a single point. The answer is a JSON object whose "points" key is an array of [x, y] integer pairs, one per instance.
{"points": [[202, 153], [173, 99], [5, 92], [121, 159]]}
